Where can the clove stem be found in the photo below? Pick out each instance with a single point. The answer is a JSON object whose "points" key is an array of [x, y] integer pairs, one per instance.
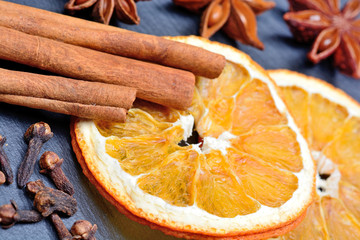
{"points": [[60, 227], [36, 135]]}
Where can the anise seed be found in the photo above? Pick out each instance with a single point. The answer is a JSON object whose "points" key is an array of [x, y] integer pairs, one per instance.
{"points": [[328, 40], [125, 6], [215, 15]]}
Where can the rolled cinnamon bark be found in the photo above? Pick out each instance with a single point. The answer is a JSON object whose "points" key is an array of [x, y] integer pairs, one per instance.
{"points": [[166, 86], [65, 89], [74, 109], [111, 39]]}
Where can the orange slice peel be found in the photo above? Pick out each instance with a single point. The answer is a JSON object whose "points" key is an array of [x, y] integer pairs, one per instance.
{"points": [[330, 120], [250, 176]]}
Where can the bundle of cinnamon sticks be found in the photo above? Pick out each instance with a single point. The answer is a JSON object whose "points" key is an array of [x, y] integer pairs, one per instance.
{"points": [[107, 67]]}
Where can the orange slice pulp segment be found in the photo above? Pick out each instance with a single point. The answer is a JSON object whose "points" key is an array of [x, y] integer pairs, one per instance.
{"points": [[233, 164], [330, 120]]}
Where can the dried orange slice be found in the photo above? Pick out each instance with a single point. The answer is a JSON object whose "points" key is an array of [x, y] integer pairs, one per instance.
{"points": [[234, 165], [330, 120]]}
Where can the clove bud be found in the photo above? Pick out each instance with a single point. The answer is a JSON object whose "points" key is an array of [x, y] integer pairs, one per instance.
{"points": [[36, 135], [50, 164], [33, 187], [48, 200], [9, 215], [83, 229]]}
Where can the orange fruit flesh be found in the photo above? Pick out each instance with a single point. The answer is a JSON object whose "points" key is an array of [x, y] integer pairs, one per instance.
{"points": [[174, 232], [334, 138], [258, 168], [245, 173]]}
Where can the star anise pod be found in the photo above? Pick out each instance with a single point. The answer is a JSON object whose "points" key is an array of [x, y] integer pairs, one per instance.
{"points": [[102, 10], [334, 32], [235, 17]]}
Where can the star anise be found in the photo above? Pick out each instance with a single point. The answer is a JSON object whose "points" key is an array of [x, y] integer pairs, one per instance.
{"points": [[103, 10], [334, 32], [235, 17]]}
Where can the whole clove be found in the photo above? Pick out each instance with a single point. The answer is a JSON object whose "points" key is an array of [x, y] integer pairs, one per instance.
{"points": [[50, 164], [48, 200], [10, 214], [33, 187], [51, 200], [2, 178], [4, 162], [36, 135], [83, 229], [60, 227]]}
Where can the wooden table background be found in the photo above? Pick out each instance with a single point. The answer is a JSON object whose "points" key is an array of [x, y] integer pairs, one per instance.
{"points": [[158, 17]]}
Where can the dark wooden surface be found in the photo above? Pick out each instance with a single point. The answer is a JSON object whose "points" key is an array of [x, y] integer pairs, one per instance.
{"points": [[158, 17]]}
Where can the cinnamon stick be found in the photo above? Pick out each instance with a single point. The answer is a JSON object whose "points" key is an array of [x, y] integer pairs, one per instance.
{"points": [[74, 109], [65, 89], [155, 83], [111, 39]]}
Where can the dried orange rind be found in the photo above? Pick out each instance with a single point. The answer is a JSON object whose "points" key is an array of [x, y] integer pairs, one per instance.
{"points": [[248, 175], [330, 120]]}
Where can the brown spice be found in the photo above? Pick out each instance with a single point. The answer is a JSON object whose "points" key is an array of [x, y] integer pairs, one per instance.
{"points": [[50, 164], [126, 12], [237, 18], [10, 214], [111, 39], [48, 200], [40, 193], [33, 187], [5, 167], [74, 109], [51, 200], [214, 17], [62, 232], [2, 178], [163, 85], [103, 9], [36, 135], [65, 89], [334, 32], [83, 229]]}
